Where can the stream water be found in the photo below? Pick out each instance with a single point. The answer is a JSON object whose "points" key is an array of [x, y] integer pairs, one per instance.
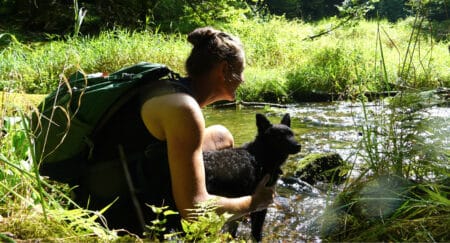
{"points": [[320, 127]]}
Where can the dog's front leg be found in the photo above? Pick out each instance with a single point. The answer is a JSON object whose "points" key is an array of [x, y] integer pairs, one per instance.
{"points": [[257, 221]]}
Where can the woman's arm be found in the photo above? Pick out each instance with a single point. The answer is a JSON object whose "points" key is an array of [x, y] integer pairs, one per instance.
{"points": [[177, 119]]}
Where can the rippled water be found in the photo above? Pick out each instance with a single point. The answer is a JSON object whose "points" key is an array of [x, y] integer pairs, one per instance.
{"points": [[320, 127]]}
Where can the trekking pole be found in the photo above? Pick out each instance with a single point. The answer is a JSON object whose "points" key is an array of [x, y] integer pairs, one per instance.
{"points": [[131, 188]]}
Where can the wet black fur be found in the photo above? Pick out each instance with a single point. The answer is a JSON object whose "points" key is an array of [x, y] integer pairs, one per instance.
{"points": [[236, 172]]}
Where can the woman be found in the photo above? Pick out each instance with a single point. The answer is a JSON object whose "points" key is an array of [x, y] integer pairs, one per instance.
{"points": [[165, 120], [215, 70]]}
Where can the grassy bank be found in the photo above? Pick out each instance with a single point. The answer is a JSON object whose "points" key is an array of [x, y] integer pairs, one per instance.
{"points": [[284, 63]]}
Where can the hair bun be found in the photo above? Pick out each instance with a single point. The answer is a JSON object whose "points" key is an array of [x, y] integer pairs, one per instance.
{"points": [[201, 35]]}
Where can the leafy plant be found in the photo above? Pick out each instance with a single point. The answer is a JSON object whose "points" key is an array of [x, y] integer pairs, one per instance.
{"points": [[80, 13], [156, 229], [206, 224]]}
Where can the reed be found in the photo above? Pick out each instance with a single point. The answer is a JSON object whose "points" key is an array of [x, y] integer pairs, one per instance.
{"points": [[401, 193]]}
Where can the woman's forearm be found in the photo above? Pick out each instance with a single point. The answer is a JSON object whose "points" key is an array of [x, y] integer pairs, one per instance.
{"points": [[240, 206], [236, 207]]}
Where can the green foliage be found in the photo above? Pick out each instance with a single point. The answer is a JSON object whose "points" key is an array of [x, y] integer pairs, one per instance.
{"points": [[6, 38], [165, 16], [288, 8], [305, 10], [204, 13], [168, 15], [38, 68], [80, 13], [327, 71], [206, 224], [356, 8], [283, 63], [33, 207], [267, 85], [6, 7], [394, 10], [15, 144], [182, 15], [280, 55], [431, 9], [156, 229], [401, 191]]}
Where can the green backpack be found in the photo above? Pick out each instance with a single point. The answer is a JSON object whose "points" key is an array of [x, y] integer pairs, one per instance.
{"points": [[67, 117]]}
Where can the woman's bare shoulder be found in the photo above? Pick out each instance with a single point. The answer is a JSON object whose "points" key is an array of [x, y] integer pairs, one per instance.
{"points": [[172, 112]]}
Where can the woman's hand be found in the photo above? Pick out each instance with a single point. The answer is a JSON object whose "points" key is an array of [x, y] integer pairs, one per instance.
{"points": [[263, 195]]}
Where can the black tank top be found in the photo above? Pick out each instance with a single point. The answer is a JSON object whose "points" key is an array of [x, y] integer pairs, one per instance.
{"points": [[99, 176], [126, 127], [146, 155]]}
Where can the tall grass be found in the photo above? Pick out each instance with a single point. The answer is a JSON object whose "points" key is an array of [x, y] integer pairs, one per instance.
{"points": [[339, 61], [30, 206], [403, 188], [279, 52], [35, 68]]}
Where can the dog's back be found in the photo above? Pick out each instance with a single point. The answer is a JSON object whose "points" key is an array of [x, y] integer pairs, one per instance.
{"points": [[230, 172]]}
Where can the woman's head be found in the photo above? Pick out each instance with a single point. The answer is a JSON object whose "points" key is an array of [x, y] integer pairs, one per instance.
{"points": [[212, 47]]}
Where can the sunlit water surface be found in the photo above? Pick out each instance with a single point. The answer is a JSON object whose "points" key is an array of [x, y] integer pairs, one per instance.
{"points": [[320, 127]]}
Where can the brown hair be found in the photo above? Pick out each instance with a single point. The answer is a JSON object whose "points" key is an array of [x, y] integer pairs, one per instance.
{"points": [[210, 47]]}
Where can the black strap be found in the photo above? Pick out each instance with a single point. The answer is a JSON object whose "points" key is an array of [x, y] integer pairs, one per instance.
{"points": [[131, 188]]}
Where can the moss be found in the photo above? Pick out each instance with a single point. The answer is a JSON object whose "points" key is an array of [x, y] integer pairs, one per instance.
{"points": [[325, 167]]}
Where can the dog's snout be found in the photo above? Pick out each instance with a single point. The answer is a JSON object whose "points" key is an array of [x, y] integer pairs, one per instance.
{"points": [[295, 148]]}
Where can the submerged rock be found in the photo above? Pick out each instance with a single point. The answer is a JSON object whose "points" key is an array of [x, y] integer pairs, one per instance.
{"points": [[322, 167], [295, 184]]}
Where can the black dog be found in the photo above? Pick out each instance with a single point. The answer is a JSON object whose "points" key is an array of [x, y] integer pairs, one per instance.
{"points": [[236, 172]]}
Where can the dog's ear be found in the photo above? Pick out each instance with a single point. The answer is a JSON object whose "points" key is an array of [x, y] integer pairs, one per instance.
{"points": [[262, 123], [286, 120]]}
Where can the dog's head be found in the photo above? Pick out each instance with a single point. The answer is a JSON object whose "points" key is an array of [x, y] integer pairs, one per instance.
{"points": [[275, 143], [278, 139]]}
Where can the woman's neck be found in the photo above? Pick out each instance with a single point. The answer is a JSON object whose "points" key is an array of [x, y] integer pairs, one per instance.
{"points": [[203, 92]]}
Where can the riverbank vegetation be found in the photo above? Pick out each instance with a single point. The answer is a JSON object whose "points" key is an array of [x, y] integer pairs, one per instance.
{"points": [[402, 190], [285, 66], [288, 60]]}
